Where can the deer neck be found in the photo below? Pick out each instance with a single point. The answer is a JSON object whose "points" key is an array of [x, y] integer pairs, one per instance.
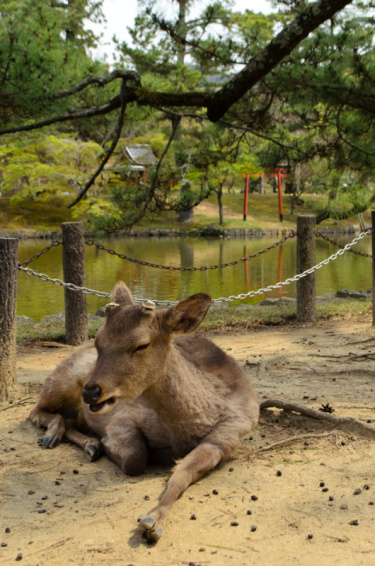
{"points": [[184, 398]]}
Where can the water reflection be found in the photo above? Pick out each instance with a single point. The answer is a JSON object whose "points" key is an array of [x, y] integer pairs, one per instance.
{"points": [[37, 299]]}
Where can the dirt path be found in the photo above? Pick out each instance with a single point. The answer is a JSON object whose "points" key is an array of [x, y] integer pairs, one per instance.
{"points": [[261, 507]]}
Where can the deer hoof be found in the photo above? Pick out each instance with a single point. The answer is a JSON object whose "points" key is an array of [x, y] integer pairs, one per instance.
{"points": [[156, 534], [93, 451], [50, 441], [147, 525]]}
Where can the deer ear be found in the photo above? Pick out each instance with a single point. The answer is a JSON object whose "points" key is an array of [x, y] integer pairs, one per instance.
{"points": [[187, 315], [122, 295]]}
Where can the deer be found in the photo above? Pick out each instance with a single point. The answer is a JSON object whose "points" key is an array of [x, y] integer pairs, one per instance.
{"points": [[148, 389]]}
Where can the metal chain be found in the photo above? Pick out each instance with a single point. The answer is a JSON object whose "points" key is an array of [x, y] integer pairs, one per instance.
{"points": [[59, 283], [320, 235], [292, 234], [299, 276], [242, 296], [54, 244]]}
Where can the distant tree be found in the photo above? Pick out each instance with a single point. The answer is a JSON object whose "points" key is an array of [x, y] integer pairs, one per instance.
{"points": [[168, 54], [323, 109], [41, 166], [42, 52]]}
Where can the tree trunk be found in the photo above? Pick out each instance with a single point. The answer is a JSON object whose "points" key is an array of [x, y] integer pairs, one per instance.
{"points": [[295, 178], [187, 214], [74, 272], [306, 292], [8, 302], [220, 203]]}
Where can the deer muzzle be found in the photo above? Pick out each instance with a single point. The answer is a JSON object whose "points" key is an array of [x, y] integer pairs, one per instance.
{"points": [[91, 395]]}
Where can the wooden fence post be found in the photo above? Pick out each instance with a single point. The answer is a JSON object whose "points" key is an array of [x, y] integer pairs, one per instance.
{"points": [[8, 311], [373, 265], [74, 272], [306, 294]]}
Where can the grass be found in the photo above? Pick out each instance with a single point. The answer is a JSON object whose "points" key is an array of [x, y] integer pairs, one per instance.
{"points": [[263, 212], [217, 320], [278, 315], [34, 214], [51, 331]]}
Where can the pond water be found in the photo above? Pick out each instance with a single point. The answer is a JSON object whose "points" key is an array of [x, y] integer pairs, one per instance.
{"points": [[37, 298]]}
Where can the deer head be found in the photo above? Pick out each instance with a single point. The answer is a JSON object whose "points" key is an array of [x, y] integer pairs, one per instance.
{"points": [[134, 346]]}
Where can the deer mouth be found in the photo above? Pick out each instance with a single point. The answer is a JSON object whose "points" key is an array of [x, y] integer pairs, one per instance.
{"points": [[103, 407]]}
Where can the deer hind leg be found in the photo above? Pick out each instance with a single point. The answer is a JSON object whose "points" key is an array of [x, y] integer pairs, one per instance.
{"points": [[126, 446], [187, 471], [91, 446]]}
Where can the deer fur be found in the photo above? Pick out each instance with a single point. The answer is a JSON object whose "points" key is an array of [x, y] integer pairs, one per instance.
{"points": [[147, 390]]}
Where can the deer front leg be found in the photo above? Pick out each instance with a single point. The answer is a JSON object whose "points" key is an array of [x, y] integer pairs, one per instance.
{"points": [[53, 422], [187, 471], [57, 428]]}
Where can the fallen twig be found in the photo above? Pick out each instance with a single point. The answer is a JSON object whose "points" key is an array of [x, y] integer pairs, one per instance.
{"points": [[346, 357], [109, 521], [54, 545], [293, 439], [20, 403], [222, 547], [347, 424], [351, 356], [338, 539], [360, 341]]}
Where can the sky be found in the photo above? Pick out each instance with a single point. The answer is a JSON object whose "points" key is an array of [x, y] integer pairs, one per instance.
{"points": [[120, 14]]}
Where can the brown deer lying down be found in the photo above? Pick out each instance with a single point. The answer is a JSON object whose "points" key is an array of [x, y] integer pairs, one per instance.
{"points": [[140, 393]]}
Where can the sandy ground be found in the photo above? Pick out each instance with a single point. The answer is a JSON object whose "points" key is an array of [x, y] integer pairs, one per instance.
{"points": [[294, 504]]}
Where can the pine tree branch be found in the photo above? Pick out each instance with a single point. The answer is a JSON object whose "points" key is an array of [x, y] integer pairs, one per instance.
{"points": [[218, 103], [120, 123], [151, 191], [281, 46], [131, 78], [113, 104]]}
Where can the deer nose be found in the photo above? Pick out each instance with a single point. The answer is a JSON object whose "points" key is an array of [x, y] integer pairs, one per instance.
{"points": [[91, 394]]}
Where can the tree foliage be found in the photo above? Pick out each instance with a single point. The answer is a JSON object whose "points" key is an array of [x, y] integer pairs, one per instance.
{"points": [[292, 87], [45, 165], [42, 52]]}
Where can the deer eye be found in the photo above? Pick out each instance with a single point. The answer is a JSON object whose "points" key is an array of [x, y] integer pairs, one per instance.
{"points": [[141, 347]]}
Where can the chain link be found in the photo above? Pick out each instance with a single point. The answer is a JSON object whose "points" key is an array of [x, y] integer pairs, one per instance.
{"points": [[54, 244], [292, 234], [241, 296], [324, 237]]}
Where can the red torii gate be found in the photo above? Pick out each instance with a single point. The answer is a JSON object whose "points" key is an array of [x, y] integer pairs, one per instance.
{"points": [[278, 175]]}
